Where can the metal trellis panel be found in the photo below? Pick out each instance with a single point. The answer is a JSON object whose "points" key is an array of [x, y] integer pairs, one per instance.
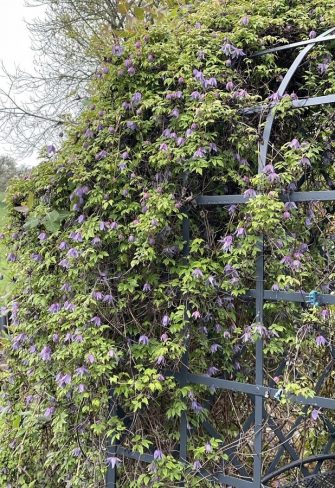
{"points": [[258, 391]]}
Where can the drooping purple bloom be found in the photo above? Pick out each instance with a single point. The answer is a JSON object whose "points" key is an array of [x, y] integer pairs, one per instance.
{"points": [[144, 340], [101, 155], [18, 341], [315, 414], [55, 307], [231, 51], [113, 461], [51, 149], [131, 125], [165, 320], [230, 86], [64, 263], [70, 307], [197, 465], [197, 273], [275, 97], [295, 144], [240, 93], [66, 287], [109, 299], [210, 83], [117, 50], [63, 245], [42, 236], [250, 193], [158, 455], [305, 162], [195, 95], [81, 371], [212, 370], [146, 287], [163, 147], [136, 98], [63, 379], [96, 321], [81, 219], [36, 257], [196, 407], [76, 236], [312, 34], [227, 243], [325, 314], [214, 348], [90, 359], [11, 257], [73, 253], [174, 113], [200, 153], [45, 354], [320, 340], [89, 134], [245, 20], [160, 360], [240, 232], [323, 67], [49, 412], [81, 388]]}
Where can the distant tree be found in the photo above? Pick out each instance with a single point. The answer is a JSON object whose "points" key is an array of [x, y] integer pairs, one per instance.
{"points": [[69, 40], [8, 170]]}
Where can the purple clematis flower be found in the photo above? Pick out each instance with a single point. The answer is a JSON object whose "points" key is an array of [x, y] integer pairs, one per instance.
{"points": [[113, 461], [63, 379], [295, 144], [55, 307], [101, 155], [165, 320], [45, 354], [200, 153], [144, 340], [117, 50], [158, 455], [49, 412], [197, 273], [227, 243], [96, 321], [320, 341], [197, 465], [81, 371], [73, 253], [131, 125]]}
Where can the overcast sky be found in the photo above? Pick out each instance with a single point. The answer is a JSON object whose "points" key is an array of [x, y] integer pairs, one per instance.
{"points": [[15, 44]]}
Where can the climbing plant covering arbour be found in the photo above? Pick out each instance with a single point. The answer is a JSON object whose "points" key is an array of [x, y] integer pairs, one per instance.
{"points": [[105, 297]]}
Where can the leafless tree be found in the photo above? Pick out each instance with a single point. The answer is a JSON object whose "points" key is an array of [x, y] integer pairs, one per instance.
{"points": [[69, 40]]}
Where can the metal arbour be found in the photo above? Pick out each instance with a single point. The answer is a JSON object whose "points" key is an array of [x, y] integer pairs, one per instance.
{"points": [[258, 392]]}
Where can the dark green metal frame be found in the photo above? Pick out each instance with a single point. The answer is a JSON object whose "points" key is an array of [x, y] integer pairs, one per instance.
{"points": [[258, 391]]}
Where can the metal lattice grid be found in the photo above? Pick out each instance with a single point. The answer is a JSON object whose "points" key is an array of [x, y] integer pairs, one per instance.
{"points": [[258, 391]]}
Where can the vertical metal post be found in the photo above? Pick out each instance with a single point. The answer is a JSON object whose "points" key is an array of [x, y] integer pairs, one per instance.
{"points": [[112, 449], [184, 367], [259, 402]]}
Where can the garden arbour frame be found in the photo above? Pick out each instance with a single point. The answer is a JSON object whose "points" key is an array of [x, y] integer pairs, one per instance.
{"points": [[259, 392]]}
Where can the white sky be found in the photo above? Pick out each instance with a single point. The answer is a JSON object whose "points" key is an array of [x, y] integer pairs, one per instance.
{"points": [[15, 44]]}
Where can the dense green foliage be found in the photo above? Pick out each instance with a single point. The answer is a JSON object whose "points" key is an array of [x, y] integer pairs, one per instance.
{"points": [[105, 298]]}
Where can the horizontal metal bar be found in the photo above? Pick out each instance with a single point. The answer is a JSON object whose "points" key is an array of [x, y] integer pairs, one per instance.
{"points": [[286, 296], [257, 390], [145, 458], [293, 45], [309, 196], [227, 480], [298, 196], [301, 103]]}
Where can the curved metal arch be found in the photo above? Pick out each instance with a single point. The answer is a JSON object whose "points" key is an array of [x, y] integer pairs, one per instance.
{"points": [[263, 148]]}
